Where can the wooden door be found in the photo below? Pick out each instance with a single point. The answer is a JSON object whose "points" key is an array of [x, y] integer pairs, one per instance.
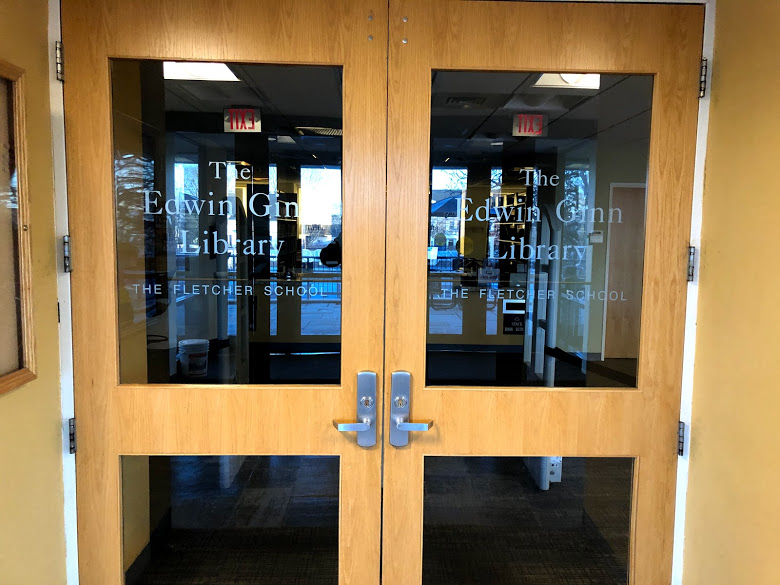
{"points": [[527, 387], [621, 335], [115, 47]]}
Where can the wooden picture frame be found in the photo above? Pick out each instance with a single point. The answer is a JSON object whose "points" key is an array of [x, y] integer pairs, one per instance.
{"points": [[27, 372]]}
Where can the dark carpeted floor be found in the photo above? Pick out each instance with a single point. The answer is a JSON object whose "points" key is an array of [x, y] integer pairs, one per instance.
{"points": [[274, 521]]}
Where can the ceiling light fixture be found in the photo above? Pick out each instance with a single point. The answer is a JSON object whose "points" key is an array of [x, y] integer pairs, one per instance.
{"points": [[565, 80], [197, 71]]}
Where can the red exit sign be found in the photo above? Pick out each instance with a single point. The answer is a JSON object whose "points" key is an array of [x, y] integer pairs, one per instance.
{"points": [[530, 125], [242, 120]]}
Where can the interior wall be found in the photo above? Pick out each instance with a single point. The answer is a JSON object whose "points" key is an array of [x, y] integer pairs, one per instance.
{"points": [[733, 509], [32, 544]]}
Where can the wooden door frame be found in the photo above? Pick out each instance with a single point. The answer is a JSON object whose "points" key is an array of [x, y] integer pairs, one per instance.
{"points": [[592, 45], [116, 419]]}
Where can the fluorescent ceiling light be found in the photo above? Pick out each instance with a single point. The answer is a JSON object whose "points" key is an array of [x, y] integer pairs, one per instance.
{"points": [[197, 71], [563, 80]]}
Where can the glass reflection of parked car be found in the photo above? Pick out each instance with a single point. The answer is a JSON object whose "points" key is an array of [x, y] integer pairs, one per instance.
{"points": [[573, 272]]}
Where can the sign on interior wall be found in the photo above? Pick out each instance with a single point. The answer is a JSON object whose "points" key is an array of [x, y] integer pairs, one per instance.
{"points": [[241, 120], [529, 125]]}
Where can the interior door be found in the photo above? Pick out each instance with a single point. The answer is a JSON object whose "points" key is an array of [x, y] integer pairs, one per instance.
{"points": [[509, 124], [227, 227]]}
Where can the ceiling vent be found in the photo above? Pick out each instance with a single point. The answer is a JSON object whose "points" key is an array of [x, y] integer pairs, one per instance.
{"points": [[464, 101], [319, 131]]}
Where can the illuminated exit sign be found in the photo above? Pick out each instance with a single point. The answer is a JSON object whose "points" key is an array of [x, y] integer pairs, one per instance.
{"points": [[530, 125], [242, 120]]}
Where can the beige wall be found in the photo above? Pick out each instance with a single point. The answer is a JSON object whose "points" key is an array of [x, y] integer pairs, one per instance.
{"points": [[32, 545], [733, 517]]}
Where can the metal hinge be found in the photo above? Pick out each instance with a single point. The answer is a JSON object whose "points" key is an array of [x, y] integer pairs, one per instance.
{"points": [[72, 434], [681, 438], [691, 262], [703, 78], [66, 264], [59, 60]]}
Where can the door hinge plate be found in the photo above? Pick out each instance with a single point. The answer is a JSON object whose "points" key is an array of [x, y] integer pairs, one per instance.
{"points": [[66, 262], [59, 59], [691, 262], [703, 78], [72, 435], [681, 438]]}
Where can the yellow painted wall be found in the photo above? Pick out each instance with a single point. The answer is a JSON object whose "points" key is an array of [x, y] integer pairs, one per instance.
{"points": [[32, 545], [733, 516]]}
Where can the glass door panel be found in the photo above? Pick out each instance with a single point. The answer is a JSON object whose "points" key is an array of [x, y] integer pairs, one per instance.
{"points": [[228, 223], [230, 519], [529, 520], [537, 221]]}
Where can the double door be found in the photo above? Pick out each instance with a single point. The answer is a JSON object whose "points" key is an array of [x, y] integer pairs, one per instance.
{"points": [[378, 292]]}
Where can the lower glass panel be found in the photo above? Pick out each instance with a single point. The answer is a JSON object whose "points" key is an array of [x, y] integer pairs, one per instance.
{"points": [[527, 520], [230, 519]]}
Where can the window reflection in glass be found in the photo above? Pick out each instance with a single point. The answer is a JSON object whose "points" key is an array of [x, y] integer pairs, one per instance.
{"points": [[228, 240], [536, 242]]}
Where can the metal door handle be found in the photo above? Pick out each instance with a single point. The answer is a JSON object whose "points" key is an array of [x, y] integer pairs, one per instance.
{"points": [[359, 427], [410, 426], [401, 384], [366, 411]]}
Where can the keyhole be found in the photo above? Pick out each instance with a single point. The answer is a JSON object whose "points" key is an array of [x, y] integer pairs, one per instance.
{"points": [[400, 402], [367, 401]]}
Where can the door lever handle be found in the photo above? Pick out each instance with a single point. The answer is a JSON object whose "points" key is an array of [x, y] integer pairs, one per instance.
{"points": [[360, 427], [400, 387], [412, 426], [365, 427]]}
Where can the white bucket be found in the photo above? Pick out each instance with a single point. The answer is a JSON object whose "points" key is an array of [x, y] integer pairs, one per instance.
{"points": [[193, 357]]}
